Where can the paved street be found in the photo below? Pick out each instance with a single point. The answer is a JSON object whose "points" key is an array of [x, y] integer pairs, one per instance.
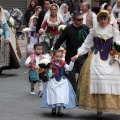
{"points": [[16, 103]]}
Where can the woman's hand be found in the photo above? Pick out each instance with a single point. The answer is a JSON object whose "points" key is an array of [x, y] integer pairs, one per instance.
{"points": [[7, 41], [74, 58], [40, 32]]}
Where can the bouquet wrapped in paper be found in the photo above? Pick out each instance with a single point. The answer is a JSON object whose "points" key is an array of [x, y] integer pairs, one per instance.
{"points": [[46, 64], [115, 52], [27, 32], [61, 28], [11, 22]]}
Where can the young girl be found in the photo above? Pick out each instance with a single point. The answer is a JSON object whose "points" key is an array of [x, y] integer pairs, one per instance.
{"points": [[32, 62], [32, 38], [58, 91]]}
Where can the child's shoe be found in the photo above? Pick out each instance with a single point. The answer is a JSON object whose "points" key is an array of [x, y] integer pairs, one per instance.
{"points": [[32, 92], [59, 114], [54, 112], [40, 93]]}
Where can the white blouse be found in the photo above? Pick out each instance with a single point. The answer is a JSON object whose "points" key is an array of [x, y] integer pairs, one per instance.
{"points": [[101, 32]]}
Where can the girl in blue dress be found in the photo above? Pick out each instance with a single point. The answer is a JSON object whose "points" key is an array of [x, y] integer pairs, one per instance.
{"points": [[58, 92]]}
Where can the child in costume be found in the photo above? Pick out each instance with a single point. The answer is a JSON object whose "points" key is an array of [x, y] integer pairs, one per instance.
{"points": [[32, 61], [32, 38], [58, 91]]}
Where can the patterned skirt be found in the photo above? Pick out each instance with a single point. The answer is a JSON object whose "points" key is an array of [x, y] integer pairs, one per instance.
{"points": [[94, 102]]}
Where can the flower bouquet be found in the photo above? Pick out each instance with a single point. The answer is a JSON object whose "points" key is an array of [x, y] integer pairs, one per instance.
{"points": [[27, 32], [61, 28], [115, 52], [11, 22], [46, 64]]}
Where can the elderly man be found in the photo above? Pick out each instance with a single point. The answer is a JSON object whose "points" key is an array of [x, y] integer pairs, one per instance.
{"points": [[89, 18]]}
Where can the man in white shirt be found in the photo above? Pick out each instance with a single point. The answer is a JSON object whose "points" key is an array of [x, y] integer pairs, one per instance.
{"points": [[89, 17]]}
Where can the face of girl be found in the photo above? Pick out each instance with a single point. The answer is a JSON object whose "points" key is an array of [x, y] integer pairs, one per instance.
{"points": [[38, 11], [33, 4], [38, 50], [53, 10], [103, 22], [35, 22], [109, 9], [58, 57], [66, 9]]}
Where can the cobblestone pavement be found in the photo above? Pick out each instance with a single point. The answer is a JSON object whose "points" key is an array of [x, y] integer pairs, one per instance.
{"points": [[16, 103]]}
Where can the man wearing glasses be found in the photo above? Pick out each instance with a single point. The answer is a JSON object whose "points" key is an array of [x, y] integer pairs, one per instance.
{"points": [[89, 17], [74, 35]]}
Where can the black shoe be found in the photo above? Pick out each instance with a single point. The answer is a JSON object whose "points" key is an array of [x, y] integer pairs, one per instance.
{"points": [[0, 72], [53, 112], [40, 93], [59, 114], [99, 114]]}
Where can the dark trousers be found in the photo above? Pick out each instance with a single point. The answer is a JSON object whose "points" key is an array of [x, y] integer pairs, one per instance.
{"points": [[76, 69]]}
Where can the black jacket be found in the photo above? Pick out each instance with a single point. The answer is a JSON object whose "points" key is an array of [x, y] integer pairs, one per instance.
{"points": [[28, 15], [40, 20], [73, 41]]}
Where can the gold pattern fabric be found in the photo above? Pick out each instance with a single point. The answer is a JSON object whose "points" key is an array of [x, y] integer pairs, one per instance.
{"points": [[94, 102]]}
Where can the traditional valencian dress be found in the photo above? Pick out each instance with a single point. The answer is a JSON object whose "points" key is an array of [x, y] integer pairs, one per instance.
{"points": [[8, 53], [51, 28], [99, 82], [34, 68], [32, 40], [58, 91]]}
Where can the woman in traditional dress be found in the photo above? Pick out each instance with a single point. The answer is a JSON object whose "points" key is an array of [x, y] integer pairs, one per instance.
{"points": [[99, 82], [65, 13], [8, 54], [52, 20], [32, 37], [38, 9], [113, 21]]}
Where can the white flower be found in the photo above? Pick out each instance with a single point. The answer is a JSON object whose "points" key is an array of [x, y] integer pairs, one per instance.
{"points": [[61, 27], [25, 30], [118, 42], [61, 48], [44, 61], [11, 21], [1, 31]]}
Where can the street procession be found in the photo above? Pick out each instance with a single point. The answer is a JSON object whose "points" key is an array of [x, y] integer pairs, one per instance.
{"points": [[60, 59]]}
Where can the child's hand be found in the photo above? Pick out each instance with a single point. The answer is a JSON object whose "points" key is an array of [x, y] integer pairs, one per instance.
{"points": [[74, 58], [31, 62]]}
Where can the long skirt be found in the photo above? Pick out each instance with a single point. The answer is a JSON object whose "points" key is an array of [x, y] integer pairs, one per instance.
{"points": [[8, 58], [59, 94], [94, 102]]}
